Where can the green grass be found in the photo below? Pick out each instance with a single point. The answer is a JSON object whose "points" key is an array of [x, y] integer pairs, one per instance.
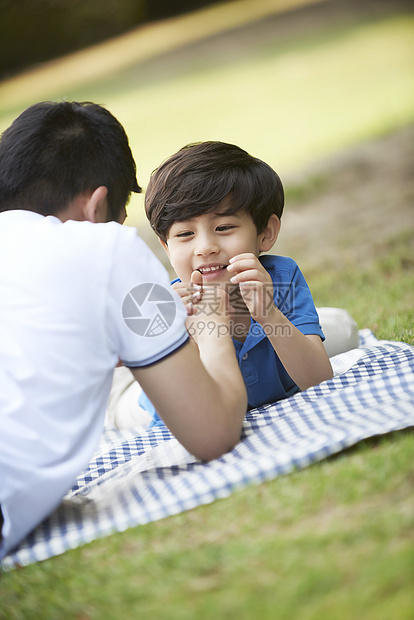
{"points": [[381, 297], [333, 541]]}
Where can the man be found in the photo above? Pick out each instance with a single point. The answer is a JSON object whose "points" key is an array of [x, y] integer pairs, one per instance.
{"points": [[78, 293]]}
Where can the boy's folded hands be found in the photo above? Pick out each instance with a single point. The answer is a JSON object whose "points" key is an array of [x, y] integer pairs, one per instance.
{"points": [[212, 303], [208, 307]]}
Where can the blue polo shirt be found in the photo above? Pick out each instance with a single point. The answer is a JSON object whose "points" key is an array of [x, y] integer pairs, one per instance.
{"points": [[264, 375]]}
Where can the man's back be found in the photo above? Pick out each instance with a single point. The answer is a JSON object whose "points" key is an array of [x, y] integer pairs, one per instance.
{"points": [[64, 284], [61, 335]]}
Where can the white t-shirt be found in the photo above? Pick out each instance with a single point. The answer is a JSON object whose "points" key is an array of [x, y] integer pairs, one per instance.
{"points": [[66, 317]]}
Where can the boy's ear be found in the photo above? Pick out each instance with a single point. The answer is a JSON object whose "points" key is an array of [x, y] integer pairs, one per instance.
{"points": [[165, 246], [96, 206], [269, 234]]}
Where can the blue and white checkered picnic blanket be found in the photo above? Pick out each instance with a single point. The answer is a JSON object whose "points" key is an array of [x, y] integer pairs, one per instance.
{"points": [[141, 476]]}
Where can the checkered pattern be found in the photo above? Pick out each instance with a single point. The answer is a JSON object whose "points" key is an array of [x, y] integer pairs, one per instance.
{"points": [[138, 477]]}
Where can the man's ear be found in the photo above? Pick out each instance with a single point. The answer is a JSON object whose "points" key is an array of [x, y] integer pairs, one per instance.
{"points": [[269, 234], [96, 206]]}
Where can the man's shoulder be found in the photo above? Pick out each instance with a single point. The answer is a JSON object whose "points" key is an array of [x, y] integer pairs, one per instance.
{"points": [[72, 244], [108, 229], [107, 238]]}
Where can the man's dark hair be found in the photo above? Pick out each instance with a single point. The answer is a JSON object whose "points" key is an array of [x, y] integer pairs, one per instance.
{"points": [[197, 178], [55, 151]]}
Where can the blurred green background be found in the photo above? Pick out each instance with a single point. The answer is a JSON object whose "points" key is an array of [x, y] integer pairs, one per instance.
{"points": [[291, 81]]}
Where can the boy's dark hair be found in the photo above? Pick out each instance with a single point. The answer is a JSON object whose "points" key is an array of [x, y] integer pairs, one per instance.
{"points": [[55, 151], [199, 176]]}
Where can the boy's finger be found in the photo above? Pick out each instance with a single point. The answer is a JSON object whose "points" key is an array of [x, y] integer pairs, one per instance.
{"points": [[185, 289], [242, 256], [244, 264], [250, 275], [241, 266], [191, 310], [197, 278]]}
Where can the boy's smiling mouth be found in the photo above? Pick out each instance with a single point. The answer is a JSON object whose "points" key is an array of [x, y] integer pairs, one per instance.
{"points": [[206, 269], [213, 271]]}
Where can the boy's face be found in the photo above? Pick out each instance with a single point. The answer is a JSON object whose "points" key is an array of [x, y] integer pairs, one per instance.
{"points": [[206, 243]]}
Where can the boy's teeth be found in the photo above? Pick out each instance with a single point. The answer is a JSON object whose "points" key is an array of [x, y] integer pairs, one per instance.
{"points": [[207, 269]]}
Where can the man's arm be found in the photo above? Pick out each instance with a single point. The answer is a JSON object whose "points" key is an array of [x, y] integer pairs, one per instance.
{"points": [[303, 356], [199, 392]]}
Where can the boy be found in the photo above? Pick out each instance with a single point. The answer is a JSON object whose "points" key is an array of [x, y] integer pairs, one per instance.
{"points": [[72, 287], [215, 209]]}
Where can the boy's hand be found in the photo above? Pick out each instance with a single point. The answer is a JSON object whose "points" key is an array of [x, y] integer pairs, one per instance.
{"points": [[256, 286], [210, 317], [190, 292]]}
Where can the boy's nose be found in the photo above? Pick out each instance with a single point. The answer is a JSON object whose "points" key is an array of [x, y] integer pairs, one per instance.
{"points": [[206, 245]]}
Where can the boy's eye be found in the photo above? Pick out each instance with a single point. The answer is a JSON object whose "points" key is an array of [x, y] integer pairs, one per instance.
{"points": [[184, 234], [224, 228]]}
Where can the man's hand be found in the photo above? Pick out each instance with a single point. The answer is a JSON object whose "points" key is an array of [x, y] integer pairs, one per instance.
{"points": [[256, 286]]}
